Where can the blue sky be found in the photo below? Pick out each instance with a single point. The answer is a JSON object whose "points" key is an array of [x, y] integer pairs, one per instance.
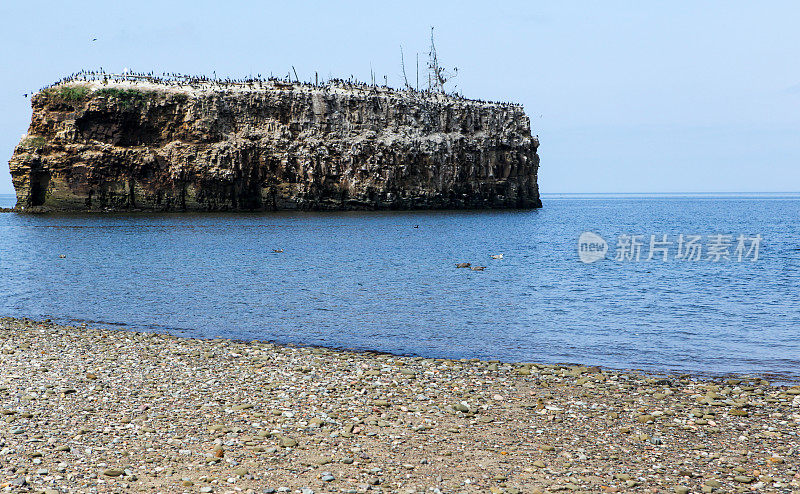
{"points": [[625, 96]]}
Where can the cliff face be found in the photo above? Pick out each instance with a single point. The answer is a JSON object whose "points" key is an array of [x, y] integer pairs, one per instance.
{"points": [[144, 146]]}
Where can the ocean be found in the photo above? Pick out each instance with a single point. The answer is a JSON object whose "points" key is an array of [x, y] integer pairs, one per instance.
{"points": [[728, 302]]}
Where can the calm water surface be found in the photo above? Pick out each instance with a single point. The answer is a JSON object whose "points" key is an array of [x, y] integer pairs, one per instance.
{"points": [[373, 281]]}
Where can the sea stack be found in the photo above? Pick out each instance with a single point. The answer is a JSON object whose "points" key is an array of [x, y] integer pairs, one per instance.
{"points": [[199, 145]]}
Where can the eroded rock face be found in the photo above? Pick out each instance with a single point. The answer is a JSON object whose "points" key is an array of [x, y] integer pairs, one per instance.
{"points": [[141, 146]]}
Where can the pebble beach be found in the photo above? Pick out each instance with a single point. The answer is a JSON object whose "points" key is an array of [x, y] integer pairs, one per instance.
{"points": [[101, 410]]}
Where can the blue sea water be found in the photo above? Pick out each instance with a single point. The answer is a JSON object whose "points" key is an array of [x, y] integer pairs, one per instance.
{"points": [[7, 200], [375, 281]]}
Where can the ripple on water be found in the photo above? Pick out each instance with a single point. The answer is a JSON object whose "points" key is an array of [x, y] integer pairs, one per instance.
{"points": [[372, 281]]}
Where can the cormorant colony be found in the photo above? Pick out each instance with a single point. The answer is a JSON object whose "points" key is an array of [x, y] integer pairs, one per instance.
{"points": [[258, 82]]}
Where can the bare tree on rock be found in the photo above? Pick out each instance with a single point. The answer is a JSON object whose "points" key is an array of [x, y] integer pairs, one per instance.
{"points": [[437, 75]]}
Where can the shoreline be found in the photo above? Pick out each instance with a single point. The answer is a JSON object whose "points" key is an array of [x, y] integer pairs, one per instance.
{"points": [[775, 379], [54, 212], [107, 410]]}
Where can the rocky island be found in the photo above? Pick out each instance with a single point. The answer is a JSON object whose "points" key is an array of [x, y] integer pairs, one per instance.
{"points": [[141, 143]]}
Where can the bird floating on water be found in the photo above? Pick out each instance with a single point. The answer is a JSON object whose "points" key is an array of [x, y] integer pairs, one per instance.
{"points": [[62, 256], [477, 268], [497, 256], [463, 265], [277, 251]]}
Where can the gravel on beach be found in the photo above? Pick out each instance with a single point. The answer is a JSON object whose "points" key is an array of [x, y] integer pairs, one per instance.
{"points": [[99, 410]]}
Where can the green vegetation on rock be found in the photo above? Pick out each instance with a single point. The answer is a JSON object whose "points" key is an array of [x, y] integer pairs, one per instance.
{"points": [[127, 98], [37, 142], [67, 93]]}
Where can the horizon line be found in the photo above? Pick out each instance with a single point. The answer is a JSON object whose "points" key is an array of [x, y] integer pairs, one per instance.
{"points": [[673, 193]]}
